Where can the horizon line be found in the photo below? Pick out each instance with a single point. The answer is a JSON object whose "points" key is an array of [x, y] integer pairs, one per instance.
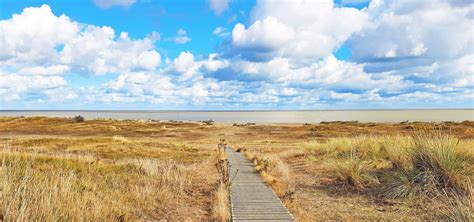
{"points": [[250, 110]]}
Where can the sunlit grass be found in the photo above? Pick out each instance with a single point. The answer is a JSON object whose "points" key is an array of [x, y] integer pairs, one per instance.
{"points": [[46, 188], [428, 164]]}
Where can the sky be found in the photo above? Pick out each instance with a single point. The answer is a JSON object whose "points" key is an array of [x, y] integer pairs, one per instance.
{"points": [[236, 54]]}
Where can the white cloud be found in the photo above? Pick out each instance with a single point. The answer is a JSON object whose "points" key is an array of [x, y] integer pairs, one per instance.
{"points": [[218, 6], [37, 38], [96, 51], [430, 42], [288, 91], [39, 48], [406, 28], [329, 73], [300, 29], [45, 70], [283, 58], [33, 35], [13, 87], [185, 65], [220, 31], [213, 64], [158, 88], [109, 3], [148, 60], [268, 34], [344, 96], [181, 37]]}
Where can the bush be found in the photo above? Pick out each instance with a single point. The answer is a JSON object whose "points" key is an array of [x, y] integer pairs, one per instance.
{"points": [[208, 122], [79, 119]]}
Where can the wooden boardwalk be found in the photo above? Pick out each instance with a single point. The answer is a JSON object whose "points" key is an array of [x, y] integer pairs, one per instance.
{"points": [[251, 198]]}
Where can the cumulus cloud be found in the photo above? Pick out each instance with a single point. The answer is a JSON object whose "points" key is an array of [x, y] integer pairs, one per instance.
{"points": [[43, 47], [404, 53], [96, 50], [218, 6], [213, 63], [33, 35], [13, 86], [328, 73], [158, 88], [38, 41], [398, 47], [268, 34], [409, 34], [300, 30], [110, 3], [185, 65]]}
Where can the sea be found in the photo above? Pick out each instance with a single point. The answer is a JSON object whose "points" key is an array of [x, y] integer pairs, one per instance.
{"points": [[301, 116]]}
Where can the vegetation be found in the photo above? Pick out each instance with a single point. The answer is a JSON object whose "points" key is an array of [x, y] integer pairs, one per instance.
{"points": [[208, 122], [48, 188], [408, 171], [79, 119], [57, 169], [221, 206], [108, 174]]}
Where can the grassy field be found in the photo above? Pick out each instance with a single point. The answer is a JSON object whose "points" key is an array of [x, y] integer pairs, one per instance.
{"points": [[57, 169], [61, 169]]}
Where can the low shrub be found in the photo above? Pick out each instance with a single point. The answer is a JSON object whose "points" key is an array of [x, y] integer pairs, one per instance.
{"points": [[208, 122], [79, 119]]}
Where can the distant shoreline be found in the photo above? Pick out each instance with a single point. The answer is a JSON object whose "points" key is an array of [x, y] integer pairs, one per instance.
{"points": [[204, 111], [267, 116]]}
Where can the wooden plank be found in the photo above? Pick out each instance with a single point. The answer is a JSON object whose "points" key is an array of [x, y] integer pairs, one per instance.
{"points": [[251, 198]]}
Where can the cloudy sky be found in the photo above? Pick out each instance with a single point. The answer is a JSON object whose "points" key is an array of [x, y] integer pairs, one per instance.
{"points": [[236, 54]]}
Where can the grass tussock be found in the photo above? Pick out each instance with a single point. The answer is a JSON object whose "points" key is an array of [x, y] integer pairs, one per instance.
{"points": [[51, 188], [354, 172], [426, 164], [221, 198], [221, 204]]}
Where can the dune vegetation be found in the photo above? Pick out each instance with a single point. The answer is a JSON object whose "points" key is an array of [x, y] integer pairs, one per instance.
{"points": [[127, 170], [426, 175], [57, 187], [96, 171]]}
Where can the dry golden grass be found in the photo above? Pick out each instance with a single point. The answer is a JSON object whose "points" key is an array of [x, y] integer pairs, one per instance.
{"points": [[330, 171], [424, 176], [56, 173], [48, 188], [221, 207], [221, 198]]}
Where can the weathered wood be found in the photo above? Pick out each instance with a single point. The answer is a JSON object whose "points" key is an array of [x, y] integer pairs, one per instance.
{"points": [[251, 198]]}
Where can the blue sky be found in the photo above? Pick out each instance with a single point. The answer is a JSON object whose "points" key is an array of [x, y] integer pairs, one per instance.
{"points": [[228, 54]]}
